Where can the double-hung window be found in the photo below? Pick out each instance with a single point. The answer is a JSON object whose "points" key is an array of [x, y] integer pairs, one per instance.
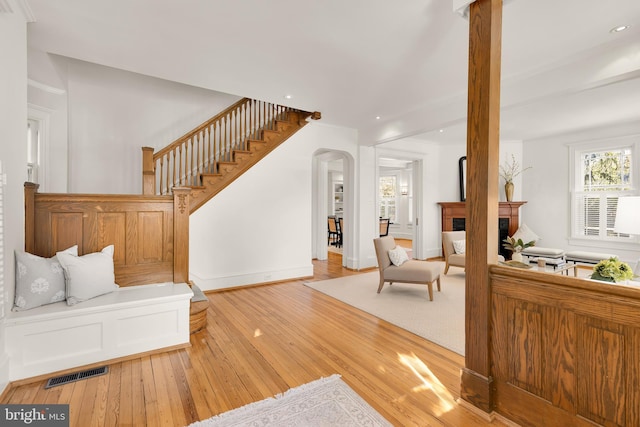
{"points": [[388, 197], [602, 172]]}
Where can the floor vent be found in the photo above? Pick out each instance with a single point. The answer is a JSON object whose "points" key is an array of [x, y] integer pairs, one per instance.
{"points": [[69, 378]]}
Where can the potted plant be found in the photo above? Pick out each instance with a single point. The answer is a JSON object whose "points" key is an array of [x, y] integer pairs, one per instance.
{"points": [[508, 172], [516, 246], [612, 270]]}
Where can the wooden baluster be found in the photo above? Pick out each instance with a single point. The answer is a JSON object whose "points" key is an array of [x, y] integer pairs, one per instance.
{"points": [[215, 148]]}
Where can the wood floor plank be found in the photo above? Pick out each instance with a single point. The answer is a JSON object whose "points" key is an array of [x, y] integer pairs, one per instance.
{"points": [[261, 341]]}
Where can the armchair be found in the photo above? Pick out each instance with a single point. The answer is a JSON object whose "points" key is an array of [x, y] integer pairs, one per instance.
{"points": [[451, 258], [411, 271]]}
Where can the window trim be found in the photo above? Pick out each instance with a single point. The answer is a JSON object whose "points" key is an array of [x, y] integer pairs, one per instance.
{"points": [[575, 168]]}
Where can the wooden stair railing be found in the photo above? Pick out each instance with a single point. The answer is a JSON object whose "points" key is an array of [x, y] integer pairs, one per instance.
{"points": [[211, 156]]}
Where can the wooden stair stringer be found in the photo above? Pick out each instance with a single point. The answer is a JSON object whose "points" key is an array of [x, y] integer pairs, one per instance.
{"points": [[243, 160]]}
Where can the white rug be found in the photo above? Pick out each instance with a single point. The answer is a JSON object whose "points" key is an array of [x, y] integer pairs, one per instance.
{"points": [[326, 402], [406, 305]]}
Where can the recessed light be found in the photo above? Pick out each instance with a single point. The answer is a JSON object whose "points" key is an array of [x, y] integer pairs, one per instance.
{"points": [[619, 28], [441, 130], [378, 117], [288, 96]]}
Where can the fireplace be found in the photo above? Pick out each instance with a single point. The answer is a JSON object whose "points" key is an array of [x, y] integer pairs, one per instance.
{"points": [[454, 215]]}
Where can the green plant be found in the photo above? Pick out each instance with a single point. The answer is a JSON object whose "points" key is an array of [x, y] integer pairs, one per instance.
{"points": [[508, 171], [612, 270], [516, 245]]}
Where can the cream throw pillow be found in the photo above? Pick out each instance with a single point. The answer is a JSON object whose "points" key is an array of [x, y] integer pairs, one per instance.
{"points": [[398, 256], [88, 276], [459, 246], [525, 234]]}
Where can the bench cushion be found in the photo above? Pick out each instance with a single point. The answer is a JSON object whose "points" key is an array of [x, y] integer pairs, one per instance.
{"points": [[587, 257], [537, 251]]}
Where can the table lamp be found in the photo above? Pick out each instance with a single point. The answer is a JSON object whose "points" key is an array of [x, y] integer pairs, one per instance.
{"points": [[628, 221]]}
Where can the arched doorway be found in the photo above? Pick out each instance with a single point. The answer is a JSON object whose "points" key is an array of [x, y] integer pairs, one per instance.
{"points": [[333, 189]]}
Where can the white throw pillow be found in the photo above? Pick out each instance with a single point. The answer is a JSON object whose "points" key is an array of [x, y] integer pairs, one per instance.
{"points": [[39, 281], [88, 276], [525, 234], [398, 256], [459, 246]]}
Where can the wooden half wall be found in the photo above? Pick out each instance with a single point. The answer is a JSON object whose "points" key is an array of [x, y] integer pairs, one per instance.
{"points": [[150, 233], [564, 351]]}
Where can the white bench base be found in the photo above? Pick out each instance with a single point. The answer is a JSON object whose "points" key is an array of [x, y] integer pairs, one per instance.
{"points": [[131, 320]]}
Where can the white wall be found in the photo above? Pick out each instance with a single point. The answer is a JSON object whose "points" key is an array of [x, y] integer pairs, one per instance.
{"points": [[13, 154], [114, 113], [546, 189], [47, 96], [259, 229]]}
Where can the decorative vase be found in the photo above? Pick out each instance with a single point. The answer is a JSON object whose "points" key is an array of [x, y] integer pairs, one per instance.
{"points": [[508, 190], [516, 256]]}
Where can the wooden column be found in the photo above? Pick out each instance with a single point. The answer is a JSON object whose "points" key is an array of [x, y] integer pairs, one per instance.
{"points": [[483, 122], [181, 234]]}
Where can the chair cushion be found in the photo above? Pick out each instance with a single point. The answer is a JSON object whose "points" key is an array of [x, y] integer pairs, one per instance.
{"points": [[413, 271]]}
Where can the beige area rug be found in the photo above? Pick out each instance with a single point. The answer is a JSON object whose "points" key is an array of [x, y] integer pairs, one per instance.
{"points": [[326, 402], [406, 305]]}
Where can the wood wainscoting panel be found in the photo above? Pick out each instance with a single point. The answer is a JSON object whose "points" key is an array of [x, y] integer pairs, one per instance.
{"points": [[111, 231], [152, 232], [141, 228], [526, 334], [600, 371], [564, 349], [66, 231]]}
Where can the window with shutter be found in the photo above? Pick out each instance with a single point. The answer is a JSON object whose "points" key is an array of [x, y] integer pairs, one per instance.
{"points": [[602, 172]]}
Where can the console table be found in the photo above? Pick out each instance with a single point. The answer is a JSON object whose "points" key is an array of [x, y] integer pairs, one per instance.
{"points": [[454, 215]]}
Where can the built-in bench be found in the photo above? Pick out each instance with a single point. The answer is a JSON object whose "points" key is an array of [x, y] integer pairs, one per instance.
{"points": [[128, 321]]}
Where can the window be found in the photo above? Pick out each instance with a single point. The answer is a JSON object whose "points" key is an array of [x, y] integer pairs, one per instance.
{"points": [[33, 152], [602, 173], [388, 196]]}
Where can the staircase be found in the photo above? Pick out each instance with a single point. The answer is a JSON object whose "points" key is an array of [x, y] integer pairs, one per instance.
{"points": [[216, 153]]}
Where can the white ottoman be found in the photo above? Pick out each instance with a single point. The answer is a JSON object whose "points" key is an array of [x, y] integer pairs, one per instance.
{"points": [[587, 257]]}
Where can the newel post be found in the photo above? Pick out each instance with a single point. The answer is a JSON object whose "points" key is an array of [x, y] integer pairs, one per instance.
{"points": [[181, 234], [148, 172], [30, 190]]}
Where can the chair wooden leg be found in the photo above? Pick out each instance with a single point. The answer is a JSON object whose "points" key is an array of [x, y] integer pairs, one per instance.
{"points": [[430, 286], [438, 280], [381, 284], [446, 268]]}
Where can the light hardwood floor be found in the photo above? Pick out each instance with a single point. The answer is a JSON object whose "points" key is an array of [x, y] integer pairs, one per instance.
{"points": [[261, 341]]}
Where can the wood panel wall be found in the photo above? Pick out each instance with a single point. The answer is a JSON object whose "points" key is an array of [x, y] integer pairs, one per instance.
{"points": [[149, 233], [564, 351]]}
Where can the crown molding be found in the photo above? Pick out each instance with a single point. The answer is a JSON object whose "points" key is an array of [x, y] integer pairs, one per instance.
{"points": [[18, 6]]}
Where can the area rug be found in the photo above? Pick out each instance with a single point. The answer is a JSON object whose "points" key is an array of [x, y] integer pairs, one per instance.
{"points": [[325, 402], [407, 305]]}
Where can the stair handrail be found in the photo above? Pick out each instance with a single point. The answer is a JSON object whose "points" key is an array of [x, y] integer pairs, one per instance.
{"points": [[200, 150]]}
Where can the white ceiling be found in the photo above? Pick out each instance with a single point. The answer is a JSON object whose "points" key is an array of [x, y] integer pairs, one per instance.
{"points": [[353, 60]]}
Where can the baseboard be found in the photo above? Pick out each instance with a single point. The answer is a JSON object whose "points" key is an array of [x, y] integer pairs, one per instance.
{"points": [[4, 375], [240, 280]]}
